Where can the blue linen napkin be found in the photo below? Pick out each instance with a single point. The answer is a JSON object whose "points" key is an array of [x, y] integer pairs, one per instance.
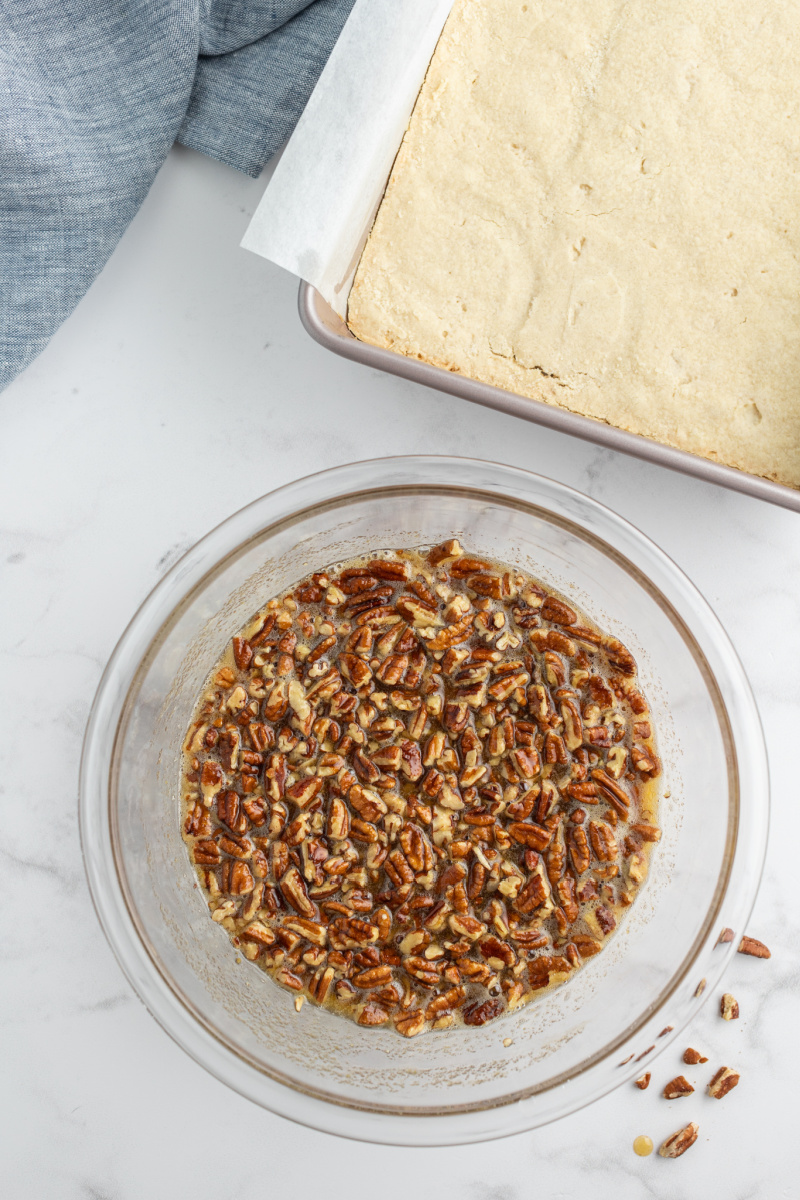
{"points": [[92, 95]]}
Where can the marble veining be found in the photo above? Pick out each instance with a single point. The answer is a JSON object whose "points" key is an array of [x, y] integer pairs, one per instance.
{"points": [[182, 388]]}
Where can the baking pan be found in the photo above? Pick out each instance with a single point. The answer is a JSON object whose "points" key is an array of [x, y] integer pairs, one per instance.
{"points": [[327, 328]]}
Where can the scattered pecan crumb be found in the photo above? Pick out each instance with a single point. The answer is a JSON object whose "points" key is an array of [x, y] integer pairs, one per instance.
{"points": [[723, 1082], [645, 1053], [643, 1081], [701, 987], [725, 936], [666, 1030], [754, 948], [679, 1142], [677, 1087], [691, 1056], [728, 1007]]}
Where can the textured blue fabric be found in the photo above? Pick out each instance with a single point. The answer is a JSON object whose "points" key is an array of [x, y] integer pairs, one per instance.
{"points": [[92, 95]]}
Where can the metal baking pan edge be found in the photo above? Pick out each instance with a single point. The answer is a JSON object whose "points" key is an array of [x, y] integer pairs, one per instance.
{"points": [[327, 328]]}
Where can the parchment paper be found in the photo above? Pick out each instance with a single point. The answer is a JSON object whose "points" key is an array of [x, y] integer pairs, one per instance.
{"points": [[318, 209]]}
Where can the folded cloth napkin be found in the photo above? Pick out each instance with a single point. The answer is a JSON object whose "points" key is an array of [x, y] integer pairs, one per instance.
{"points": [[92, 95]]}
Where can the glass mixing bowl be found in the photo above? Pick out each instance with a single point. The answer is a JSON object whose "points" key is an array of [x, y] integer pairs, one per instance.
{"points": [[569, 1046]]}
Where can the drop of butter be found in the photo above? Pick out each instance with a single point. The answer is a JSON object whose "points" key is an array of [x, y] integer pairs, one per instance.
{"points": [[643, 1145]]}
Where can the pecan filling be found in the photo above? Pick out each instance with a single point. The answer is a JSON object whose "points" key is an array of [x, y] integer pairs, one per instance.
{"points": [[419, 789]]}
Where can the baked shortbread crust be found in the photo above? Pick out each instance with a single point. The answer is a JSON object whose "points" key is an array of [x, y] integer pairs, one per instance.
{"points": [[596, 205]]}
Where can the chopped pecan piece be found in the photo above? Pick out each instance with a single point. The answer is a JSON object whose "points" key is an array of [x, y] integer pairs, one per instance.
{"points": [[320, 985], [498, 954], [558, 612], [383, 568], [237, 847], [445, 550], [605, 919], [468, 566], [295, 893], [206, 851], [678, 1143], [258, 932], [679, 1086], [338, 825], [242, 653], [197, 823], [603, 841], [541, 967], [255, 808], [728, 1007], [643, 1081], [373, 1014], [586, 946], [754, 948], [648, 833], [211, 778], [533, 836], [236, 878], [312, 930], [229, 811], [579, 850], [723, 1082], [373, 977], [466, 926], [479, 1014], [533, 894], [691, 1056], [565, 890], [410, 1024], [613, 792]]}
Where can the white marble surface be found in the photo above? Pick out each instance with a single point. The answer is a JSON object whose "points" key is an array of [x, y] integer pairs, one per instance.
{"points": [[182, 388]]}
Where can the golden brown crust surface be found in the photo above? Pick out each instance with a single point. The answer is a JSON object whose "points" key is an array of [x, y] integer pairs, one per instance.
{"points": [[595, 205]]}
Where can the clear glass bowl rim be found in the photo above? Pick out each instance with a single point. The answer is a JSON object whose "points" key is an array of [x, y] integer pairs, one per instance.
{"points": [[96, 826]]}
